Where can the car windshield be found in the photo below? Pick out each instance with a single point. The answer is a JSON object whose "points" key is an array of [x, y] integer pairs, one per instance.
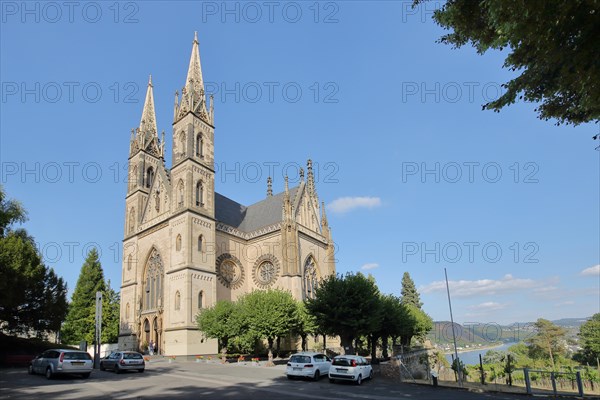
{"points": [[342, 361], [132, 356], [77, 356], [300, 359]]}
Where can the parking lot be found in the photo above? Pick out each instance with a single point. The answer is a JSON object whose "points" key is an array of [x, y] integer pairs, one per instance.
{"points": [[191, 380]]}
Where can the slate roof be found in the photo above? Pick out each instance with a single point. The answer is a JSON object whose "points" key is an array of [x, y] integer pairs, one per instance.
{"points": [[250, 218]]}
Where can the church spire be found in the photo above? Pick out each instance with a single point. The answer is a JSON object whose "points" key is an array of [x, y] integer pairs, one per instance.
{"points": [[192, 95], [148, 121], [324, 223]]}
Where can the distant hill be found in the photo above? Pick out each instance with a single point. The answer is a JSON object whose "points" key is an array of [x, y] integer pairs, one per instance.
{"points": [[489, 334]]}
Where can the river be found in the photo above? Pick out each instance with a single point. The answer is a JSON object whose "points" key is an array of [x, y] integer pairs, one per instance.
{"points": [[472, 357]]}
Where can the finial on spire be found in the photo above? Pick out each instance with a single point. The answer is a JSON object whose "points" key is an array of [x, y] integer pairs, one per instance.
{"points": [[148, 121], [269, 187], [323, 216], [301, 174], [285, 179], [195, 36]]}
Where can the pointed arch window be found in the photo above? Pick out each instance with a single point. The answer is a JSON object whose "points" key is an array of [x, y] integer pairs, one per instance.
{"points": [[310, 278], [199, 146], [178, 243], [149, 176], [177, 300], [153, 287], [131, 220], [201, 299], [200, 243], [180, 190], [199, 194]]}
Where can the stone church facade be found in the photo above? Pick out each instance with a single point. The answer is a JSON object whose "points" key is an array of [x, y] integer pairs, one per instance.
{"points": [[186, 246]]}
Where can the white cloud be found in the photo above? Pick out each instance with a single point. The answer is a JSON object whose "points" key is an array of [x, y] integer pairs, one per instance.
{"points": [[345, 204], [591, 271], [479, 287], [488, 306], [369, 266]]}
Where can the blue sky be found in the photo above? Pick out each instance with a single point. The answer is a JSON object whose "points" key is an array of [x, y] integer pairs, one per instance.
{"points": [[415, 176]]}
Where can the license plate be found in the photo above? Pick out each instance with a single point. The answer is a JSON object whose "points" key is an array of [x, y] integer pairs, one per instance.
{"points": [[297, 369], [341, 370], [77, 363]]}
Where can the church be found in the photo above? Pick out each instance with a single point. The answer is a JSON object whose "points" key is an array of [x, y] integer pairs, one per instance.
{"points": [[186, 246]]}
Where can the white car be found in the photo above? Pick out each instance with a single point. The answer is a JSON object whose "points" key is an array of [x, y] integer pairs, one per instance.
{"points": [[350, 368], [308, 365]]}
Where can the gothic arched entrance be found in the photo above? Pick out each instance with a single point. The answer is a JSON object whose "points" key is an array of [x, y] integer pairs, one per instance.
{"points": [[152, 303], [146, 332]]}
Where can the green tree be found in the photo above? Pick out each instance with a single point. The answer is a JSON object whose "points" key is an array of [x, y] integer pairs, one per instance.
{"points": [[32, 296], [393, 314], [548, 340], [218, 322], [110, 315], [307, 325], [418, 325], [409, 292], [80, 321], [346, 306], [589, 335], [552, 49], [269, 313]]}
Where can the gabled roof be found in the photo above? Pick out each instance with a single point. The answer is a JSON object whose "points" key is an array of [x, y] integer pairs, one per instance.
{"points": [[250, 218]]}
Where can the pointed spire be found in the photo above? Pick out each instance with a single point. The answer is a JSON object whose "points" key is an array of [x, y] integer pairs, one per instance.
{"points": [[324, 222], [269, 187], [301, 174], [176, 107], [311, 180], [287, 190], [194, 83], [148, 121]]}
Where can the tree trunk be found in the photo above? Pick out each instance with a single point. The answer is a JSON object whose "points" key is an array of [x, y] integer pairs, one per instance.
{"points": [[304, 343], [384, 346], [551, 357], [373, 349], [270, 343], [278, 345], [347, 344]]}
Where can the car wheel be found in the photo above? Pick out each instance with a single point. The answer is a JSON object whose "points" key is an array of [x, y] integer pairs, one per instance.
{"points": [[331, 380], [371, 375], [317, 375], [86, 375], [49, 373], [359, 379], [117, 369], [30, 370], [290, 377], [141, 370]]}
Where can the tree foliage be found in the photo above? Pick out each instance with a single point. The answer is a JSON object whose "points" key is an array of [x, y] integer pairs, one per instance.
{"points": [[80, 322], [548, 341], [306, 324], [589, 335], [269, 313], [216, 322], [346, 306], [32, 297], [552, 47], [409, 292]]}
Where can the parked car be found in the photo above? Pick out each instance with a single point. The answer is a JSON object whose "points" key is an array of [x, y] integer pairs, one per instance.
{"points": [[350, 368], [62, 361], [120, 361], [308, 365]]}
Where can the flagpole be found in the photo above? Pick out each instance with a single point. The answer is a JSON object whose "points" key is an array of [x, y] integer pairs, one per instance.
{"points": [[458, 368]]}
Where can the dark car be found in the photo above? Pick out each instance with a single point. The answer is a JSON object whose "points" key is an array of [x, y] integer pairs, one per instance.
{"points": [[62, 361], [120, 361]]}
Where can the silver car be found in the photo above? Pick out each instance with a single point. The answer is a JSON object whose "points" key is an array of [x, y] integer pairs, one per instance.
{"points": [[122, 361], [62, 361]]}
